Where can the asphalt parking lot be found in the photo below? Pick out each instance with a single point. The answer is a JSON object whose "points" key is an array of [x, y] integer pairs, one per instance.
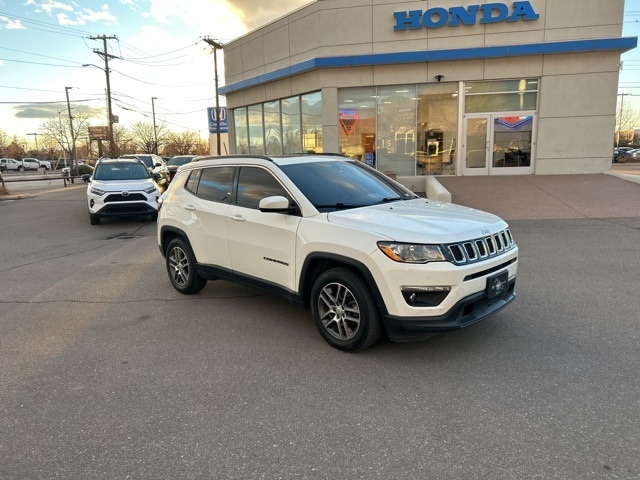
{"points": [[107, 372]]}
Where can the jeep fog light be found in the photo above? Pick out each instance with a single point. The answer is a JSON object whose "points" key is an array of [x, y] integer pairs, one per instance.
{"points": [[420, 296], [412, 252]]}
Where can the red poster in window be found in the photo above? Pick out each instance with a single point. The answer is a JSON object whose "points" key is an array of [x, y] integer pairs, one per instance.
{"points": [[511, 120], [348, 120]]}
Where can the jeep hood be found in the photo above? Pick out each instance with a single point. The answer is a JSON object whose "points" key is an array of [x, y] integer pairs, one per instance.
{"points": [[420, 220]]}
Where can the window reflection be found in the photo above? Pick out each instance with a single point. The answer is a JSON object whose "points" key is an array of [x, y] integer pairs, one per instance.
{"points": [[256, 133], [272, 128], [291, 125], [240, 130]]}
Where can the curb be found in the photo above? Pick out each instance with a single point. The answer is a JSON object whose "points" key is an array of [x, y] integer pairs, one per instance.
{"points": [[625, 176], [17, 196]]}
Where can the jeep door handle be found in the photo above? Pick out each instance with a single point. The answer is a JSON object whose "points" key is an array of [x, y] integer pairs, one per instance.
{"points": [[238, 218], [191, 208]]}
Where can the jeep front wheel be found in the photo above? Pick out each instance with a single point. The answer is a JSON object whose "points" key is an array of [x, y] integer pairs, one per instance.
{"points": [[344, 311], [181, 267]]}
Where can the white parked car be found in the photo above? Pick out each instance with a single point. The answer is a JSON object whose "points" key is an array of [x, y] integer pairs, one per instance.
{"points": [[122, 187], [31, 164], [364, 253], [10, 164], [46, 164]]}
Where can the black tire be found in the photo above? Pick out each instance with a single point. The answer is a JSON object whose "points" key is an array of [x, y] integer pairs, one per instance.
{"points": [[154, 216], [20, 168], [95, 219], [181, 267], [344, 311]]}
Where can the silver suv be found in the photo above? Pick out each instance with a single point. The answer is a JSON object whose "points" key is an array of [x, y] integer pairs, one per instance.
{"points": [[364, 253]]}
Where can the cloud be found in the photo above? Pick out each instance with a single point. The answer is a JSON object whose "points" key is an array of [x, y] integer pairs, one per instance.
{"points": [[71, 14], [221, 19], [8, 24], [256, 14], [50, 110], [86, 15]]}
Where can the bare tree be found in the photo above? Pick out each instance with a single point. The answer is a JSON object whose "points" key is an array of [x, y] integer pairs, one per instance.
{"points": [[4, 141], [144, 136], [57, 129], [183, 143], [627, 119]]}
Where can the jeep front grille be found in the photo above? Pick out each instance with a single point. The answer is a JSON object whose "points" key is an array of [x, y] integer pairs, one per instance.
{"points": [[481, 248]]}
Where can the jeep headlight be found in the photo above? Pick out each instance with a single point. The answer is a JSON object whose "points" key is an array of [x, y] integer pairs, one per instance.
{"points": [[412, 252], [97, 191]]}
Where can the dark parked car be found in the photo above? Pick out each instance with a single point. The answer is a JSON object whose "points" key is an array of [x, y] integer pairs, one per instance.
{"points": [[176, 162], [155, 164], [619, 154]]}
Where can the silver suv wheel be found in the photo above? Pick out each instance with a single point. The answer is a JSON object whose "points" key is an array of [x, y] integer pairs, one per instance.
{"points": [[181, 267], [343, 310]]}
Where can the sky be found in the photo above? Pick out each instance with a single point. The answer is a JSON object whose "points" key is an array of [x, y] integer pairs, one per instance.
{"points": [[159, 48], [160, 54]]}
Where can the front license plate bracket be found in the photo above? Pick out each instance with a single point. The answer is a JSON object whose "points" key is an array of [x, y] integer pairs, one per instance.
{"points": [[497, 284]]}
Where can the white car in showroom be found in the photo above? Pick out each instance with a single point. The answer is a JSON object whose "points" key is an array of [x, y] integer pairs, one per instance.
{"points": [[366, 255]]}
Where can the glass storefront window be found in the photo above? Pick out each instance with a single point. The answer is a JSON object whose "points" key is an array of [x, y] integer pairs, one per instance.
{"points": [[512, 141], [272, 128], [256, 133], [437, 128], [240, 130], [291, 125], [357, 123], [396, 129], [311, 107], [501, 96]]}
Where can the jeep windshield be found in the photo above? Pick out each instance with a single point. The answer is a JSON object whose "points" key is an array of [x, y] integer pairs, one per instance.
{"points": [[338, 185]]}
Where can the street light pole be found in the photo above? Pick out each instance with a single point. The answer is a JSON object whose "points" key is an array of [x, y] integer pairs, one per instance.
{"points": [[155, 131], [73, 140], [36, 139]]}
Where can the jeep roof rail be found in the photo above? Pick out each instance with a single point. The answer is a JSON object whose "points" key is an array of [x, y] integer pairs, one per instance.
{"points": [[243, 155]]}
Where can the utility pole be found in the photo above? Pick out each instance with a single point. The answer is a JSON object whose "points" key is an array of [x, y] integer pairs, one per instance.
{"points": [[155, 131], [216, 46], [36, 139], [106, 56], [73, 140]]}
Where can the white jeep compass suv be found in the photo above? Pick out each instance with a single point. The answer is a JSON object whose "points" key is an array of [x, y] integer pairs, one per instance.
{"points": [[364, 253]]}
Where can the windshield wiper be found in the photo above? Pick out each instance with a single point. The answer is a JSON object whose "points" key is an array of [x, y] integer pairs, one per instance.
{"points": [[342, 206]]}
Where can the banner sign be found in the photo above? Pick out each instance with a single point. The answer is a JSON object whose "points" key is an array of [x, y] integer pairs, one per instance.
{"points": [[98, 133], [213, 125]]}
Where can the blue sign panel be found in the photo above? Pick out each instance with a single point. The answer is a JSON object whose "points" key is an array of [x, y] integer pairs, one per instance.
{"points": [[213, 125]]}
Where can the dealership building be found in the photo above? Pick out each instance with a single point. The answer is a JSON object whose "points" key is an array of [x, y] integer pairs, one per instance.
{"points": [[437, 87]]}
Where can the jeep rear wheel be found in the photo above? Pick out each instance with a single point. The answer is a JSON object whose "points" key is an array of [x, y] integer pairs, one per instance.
{"points": [[181, 267], [344, 311]]}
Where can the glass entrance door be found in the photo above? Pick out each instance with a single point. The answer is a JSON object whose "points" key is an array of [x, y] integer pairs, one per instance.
{"points": [[498, 144], [476, 145]]}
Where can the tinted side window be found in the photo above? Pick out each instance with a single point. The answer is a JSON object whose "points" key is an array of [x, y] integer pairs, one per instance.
{"points": [[192, 182], [254, 184], [216, 184]]}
